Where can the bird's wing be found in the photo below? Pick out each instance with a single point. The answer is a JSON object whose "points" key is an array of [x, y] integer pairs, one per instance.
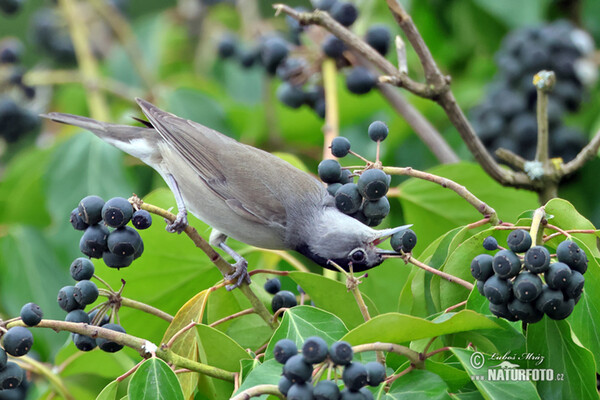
{"points": [[260, 187]]}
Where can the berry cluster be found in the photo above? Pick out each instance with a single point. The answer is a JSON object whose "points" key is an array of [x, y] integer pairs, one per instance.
{"points": [[296, 383], [364, 200], [119, 247], [10, 7], [281, 298], [17, 342], [507, 117], [529, 286], [295, 64]]}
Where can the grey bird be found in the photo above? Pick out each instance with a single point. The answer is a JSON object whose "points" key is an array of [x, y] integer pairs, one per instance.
{"points": [[242, 192]]}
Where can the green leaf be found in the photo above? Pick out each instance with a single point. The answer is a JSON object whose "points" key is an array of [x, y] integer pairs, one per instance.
{"points": [[301, 322], [401, 328], [417, 385], [565, 216], [493, 389], [332, 296], [266, 373], [573, 365], [455, 378], [154, 379], [530, 12], [106, 365], [109, 392], [434, 210], [199, 107]]}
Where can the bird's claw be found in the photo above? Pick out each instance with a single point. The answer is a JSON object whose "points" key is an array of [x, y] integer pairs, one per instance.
{"points": [[180, 223], [240, 274]]}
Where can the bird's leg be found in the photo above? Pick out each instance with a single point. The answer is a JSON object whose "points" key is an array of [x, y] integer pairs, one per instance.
{"points": [[181, 221], [240, 267]]}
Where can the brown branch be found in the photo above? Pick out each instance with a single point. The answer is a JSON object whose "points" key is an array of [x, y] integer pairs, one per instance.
{"points": [[232, 316]]}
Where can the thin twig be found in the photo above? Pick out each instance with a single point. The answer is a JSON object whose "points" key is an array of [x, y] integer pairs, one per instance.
{"points": [[448, 277], [258, 390], [178, 334], [232, 316], [586, 154]]}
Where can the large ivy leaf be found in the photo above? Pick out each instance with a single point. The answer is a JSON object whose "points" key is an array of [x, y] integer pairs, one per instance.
{"points": [[570, 362], [267, 373], [417, 385], [154, 380], [109, 392]]}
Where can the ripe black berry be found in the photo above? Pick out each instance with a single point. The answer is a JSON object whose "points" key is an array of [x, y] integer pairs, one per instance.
{"points": [[379, 38], [3, 358], [332, 188], [329, 171], [314, 350], [490, 243], [117, 261], [272, 52], [348, 198], [373, 184], [375, 373], [344, 13], [404, 241], [273, 285], [501, 310], [376, 209], [562, 311], [66, 299], [227, 46], [90, 208], [284, 385], [575, 287], [497, 290], [506, 264], [290, 95], [300, 391], [537, 259], [77, 220], [480, 285], [354, 376], [141, 219], [519, 241], [378, 131], [340, 146], [333, 47], [481, 267], [558, 275], [283, 299], [360, 80], [93, 241], [11, 376], [85, 292], [107, 345], [347, 394], [84, 343], [284, 349], [570, 253], [341, 353], [17, 341], [549, 299], [326, 390], [525, 312], [31, 314], [124, 241], [82, 268], [117, 212], [78, 316], [10, 6], [248, 57], [296, 369], [527, 287]]}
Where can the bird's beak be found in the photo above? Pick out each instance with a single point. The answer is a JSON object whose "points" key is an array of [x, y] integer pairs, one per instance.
{"points": [[384, 234]]}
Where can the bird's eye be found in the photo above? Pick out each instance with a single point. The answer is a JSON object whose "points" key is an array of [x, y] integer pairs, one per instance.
{"points": [[357, 255]]}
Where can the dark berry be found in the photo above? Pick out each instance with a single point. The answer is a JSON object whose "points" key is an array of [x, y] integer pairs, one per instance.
{"points": [[480, 285], [139, 250], [107, 345], [93, 241], [141, 219], [373, 184], [348, 198], [527, 287], [367, 394], [124, 241], [227, 46], [341, 353], [360, 80], [570, 253], [490, 243], [314, 350], [404, 241], [117, 212], [375, 373], [90, 208], [17, 341], [290, 95], [549, 299], [346, 177], [78, 316], [324, 5], [575, 287], [10, 6], [284, 349], [300, 391], [11, 50], [273, 285], [347, 394], [333, 47], [354, 376], [117, 261], [326, 390], [378, 131], [84, 343], [272, 52], [481, 267], [376, 209], [562, 310], [85, 292], [81, 269], [558, 275], [283, 299], [77, 220], [501, 310], [497, 290], [3, 358], [519, 241], [332, 188], [329, 171], [31, 314], [537, 259], [11, 377], [248, 57], [66, 299], [296, 369], [525, 312], [506, 264], [344, 12], [284, 385], [379, 38], [340, 146]]}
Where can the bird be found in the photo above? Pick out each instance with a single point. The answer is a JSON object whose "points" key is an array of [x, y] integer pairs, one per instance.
{"points": [[241, 192]]}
